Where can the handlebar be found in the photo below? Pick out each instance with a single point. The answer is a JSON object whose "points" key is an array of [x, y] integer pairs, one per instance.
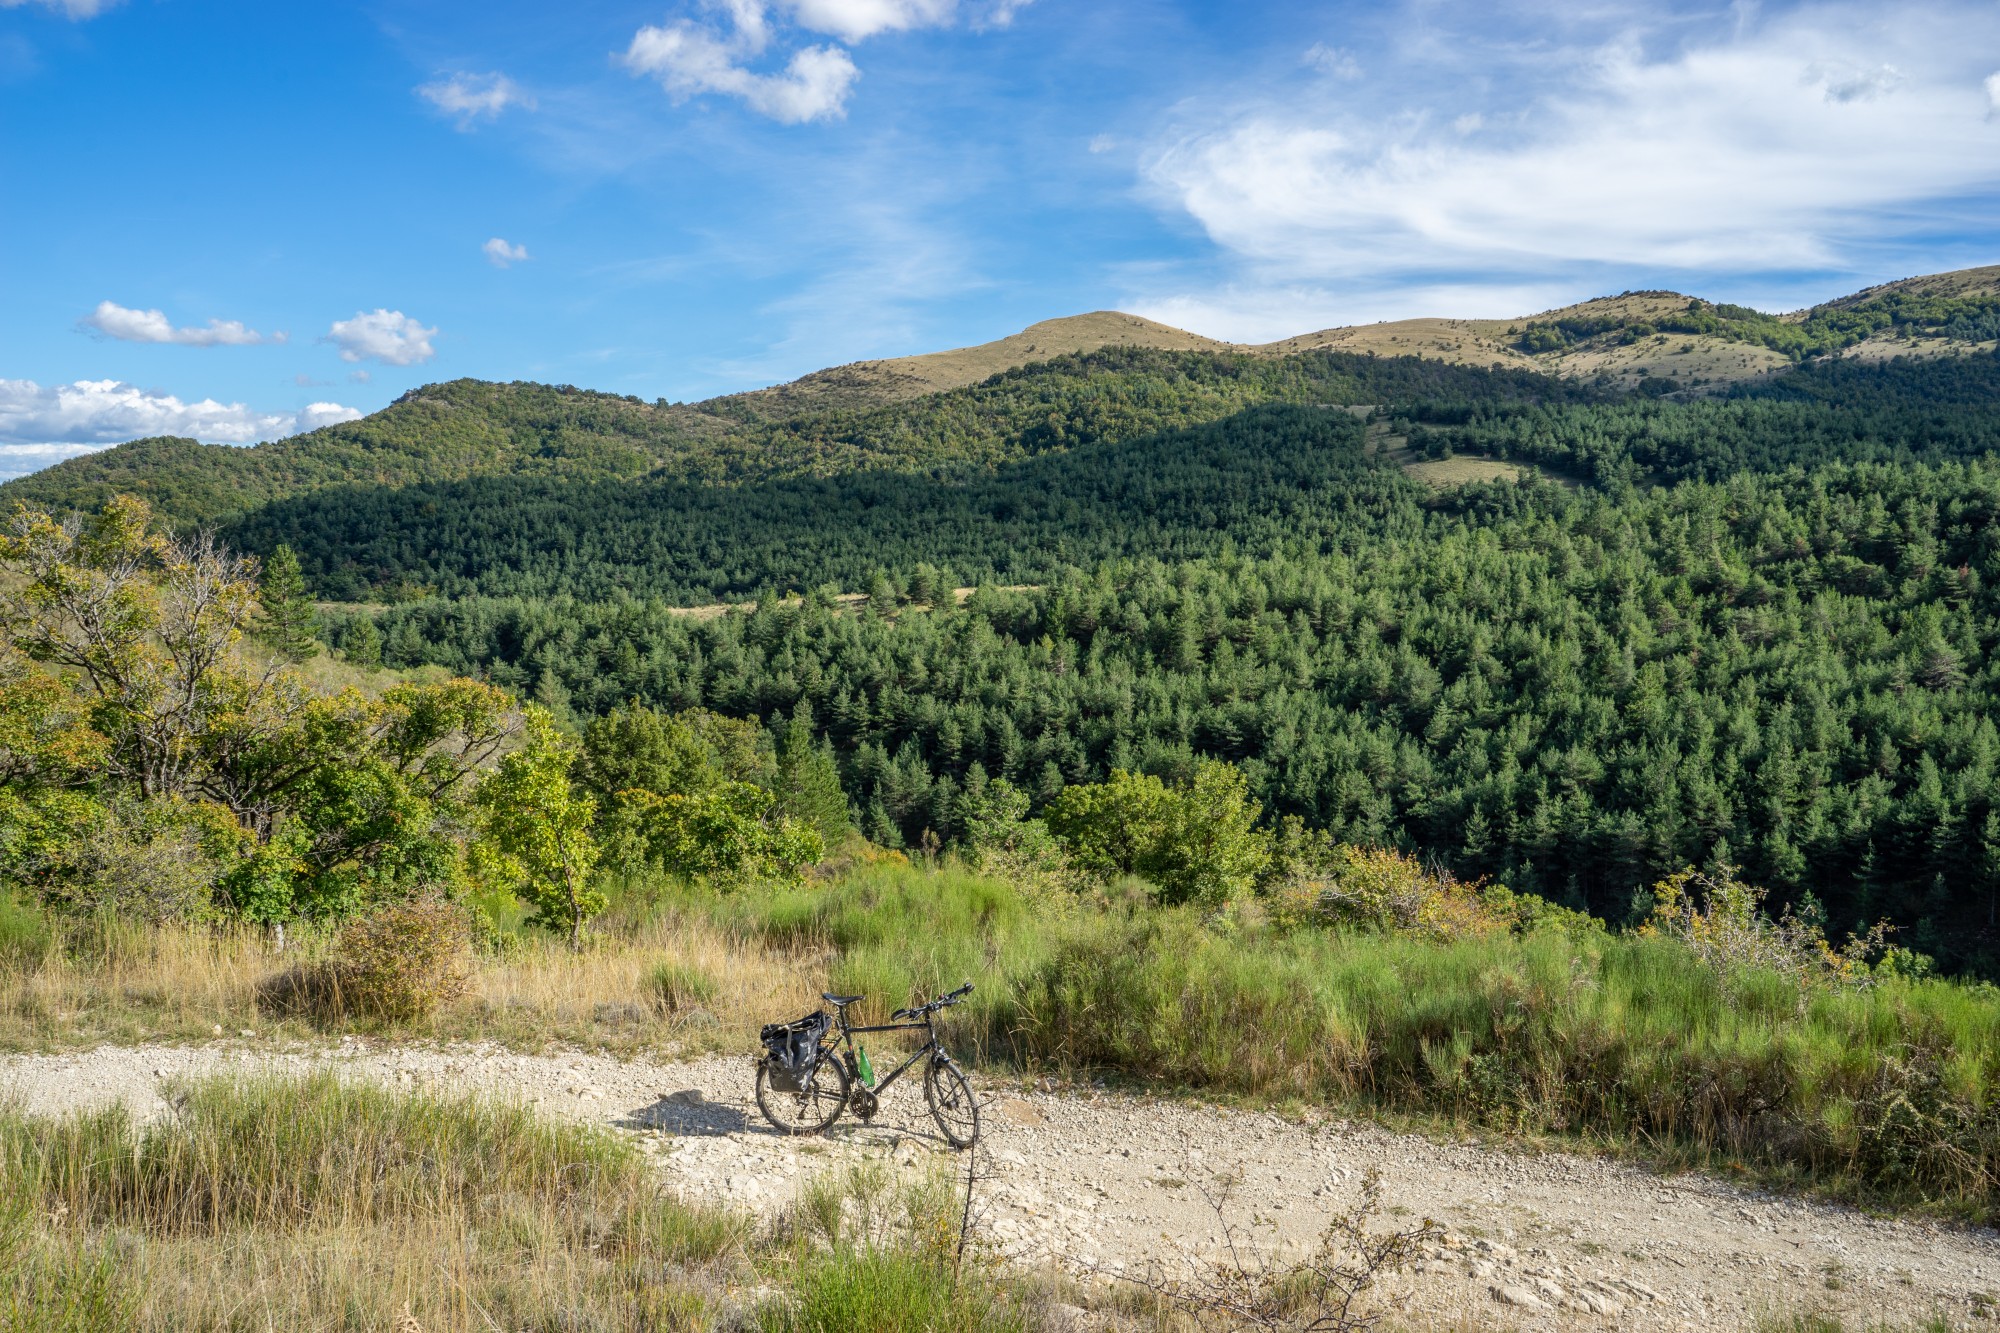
{"points": [[940, 1002]]}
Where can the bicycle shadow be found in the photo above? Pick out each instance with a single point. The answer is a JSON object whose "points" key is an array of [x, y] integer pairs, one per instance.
{"points": [[690, 1112]]}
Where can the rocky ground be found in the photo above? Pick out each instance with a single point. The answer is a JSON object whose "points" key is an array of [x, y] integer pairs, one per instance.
{"points": [[1103, 1183]]}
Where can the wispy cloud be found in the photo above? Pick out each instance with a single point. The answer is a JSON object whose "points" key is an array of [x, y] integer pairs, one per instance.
{"points": [[388, 336], [500, 254], [471, 98], [152, 326], [1763, 144], [91, 413], [75, 9]]}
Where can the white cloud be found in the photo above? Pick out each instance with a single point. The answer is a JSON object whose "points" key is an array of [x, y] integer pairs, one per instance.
{"points": [[75, 9], [1845, 83], [314, 415], [857, 20], [18, 460], [60, 419], [500, 254], [472, 97], [1993, 92], [151, 326], [689, 60], [1768, 145], [1102, 143], [389, 336], [1332, 61], [1000, 13]]}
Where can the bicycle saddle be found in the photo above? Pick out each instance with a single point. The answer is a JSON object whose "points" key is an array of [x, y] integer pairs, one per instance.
{"points": [[840, 999]]}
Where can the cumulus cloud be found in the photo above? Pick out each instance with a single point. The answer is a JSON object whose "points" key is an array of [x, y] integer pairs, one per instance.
{"points": [[813, 83], [389, 336], [1774, 145], [857, 20], [1993, 92], [49, 422], [314, 415], [689, 59], [500, 254], [471, 98], [75, 9], [151, 326]]}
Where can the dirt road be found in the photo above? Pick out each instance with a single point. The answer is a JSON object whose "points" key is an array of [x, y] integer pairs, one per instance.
{"points": [[1097, 1179]]}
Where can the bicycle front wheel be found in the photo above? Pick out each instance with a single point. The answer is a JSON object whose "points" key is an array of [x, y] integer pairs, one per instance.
{"points": [[822, 1096], [952, 1103]]}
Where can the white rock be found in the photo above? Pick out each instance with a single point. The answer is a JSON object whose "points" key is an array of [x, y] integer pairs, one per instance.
{"points": [[1519, 1297]]}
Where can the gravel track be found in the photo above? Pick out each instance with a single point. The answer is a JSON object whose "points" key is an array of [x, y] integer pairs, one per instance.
{"points": [[1099, 1180]]}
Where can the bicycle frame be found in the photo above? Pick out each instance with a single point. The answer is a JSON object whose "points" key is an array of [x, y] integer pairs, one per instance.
{"points": [[930, 1047]]}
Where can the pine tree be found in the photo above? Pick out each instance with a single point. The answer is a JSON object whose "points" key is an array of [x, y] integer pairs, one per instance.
{"points": [[361, 643], [808, 781], [291, 624]]}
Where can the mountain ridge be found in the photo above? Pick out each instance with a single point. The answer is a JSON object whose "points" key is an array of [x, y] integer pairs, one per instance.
{"points": [[1661, 342]]}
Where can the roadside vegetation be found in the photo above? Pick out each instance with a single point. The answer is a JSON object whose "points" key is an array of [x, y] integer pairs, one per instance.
{"points": [[314, 1204]]}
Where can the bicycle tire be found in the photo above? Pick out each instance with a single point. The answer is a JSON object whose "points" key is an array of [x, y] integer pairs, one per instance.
{"points": [[952, 1104], [807, 1108]]}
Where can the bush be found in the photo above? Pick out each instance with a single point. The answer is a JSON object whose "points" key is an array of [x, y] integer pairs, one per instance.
{"points": [[680, 986], [144, 860], [398, 964], [1391, 891], [1722, 921]]}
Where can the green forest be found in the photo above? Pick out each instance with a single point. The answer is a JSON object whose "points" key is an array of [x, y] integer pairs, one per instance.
{"points": [[1751, 630]]}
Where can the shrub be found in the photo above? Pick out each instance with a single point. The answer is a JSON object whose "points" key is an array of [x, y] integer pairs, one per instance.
{"points": [[1387, 890], [144, 860], [1197, 840], [399, 964], [1722, 920], [680, 986]]}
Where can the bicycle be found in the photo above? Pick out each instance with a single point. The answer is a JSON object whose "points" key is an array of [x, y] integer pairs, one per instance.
{"points": [[834, 1083]]}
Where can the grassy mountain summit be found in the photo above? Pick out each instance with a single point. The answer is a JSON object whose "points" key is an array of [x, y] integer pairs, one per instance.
{"points": [[870, 383]]}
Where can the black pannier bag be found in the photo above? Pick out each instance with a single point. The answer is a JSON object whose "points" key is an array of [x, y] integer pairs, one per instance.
{"points": [[793, 1049]]}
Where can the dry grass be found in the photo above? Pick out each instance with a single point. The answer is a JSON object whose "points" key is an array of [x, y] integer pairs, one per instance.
{"points": [[125, 984], [1448, 472], [316, 1204]]}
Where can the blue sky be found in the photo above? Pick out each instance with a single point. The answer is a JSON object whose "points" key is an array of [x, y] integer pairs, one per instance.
{"points": [[234, 220]]}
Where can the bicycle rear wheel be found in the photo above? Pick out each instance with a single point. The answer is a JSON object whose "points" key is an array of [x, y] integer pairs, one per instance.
{"points": [[952, 1103], [822, 1096]]}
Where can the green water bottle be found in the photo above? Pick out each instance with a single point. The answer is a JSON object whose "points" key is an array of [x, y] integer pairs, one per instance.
{"points": [[867, 1070]]}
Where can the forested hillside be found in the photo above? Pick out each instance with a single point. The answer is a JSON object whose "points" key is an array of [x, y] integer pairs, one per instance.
{"points": [[467, 429], [1751, 628]]}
